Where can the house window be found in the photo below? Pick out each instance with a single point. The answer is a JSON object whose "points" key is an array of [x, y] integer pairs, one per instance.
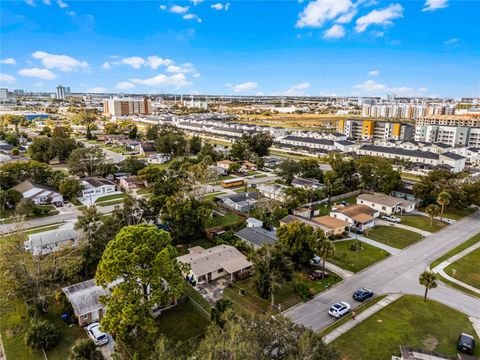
{"points": [[85, 317], [384, 208], [220, 271]]}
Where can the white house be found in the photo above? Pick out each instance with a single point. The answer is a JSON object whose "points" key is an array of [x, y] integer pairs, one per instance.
{"points": [[386, 204], [273, 191], [95, 187], [307, 184], [39, 194], [50, 241], [360, 216], [159, 158]]}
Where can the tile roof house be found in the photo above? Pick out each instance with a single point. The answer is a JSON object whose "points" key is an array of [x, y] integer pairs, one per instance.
{"points": [[39, 194], [360, 216], [329, 225], [216, 262], [386, 204]]}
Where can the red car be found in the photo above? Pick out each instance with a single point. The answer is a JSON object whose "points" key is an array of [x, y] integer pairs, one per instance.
{"points": [[317, 275]]}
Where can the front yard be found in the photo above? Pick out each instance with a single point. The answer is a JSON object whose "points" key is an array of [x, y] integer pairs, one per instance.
{"points": [[472, 241], [422, 222], [408, 321], [356, 260], [393, 236], [110, 198], [286, 296], [466, 269]]}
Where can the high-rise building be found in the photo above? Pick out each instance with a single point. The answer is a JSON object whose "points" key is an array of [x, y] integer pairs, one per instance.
{"points": [[375, 130], [3, 94], [61, 92], [126, 106], [454, 130]]}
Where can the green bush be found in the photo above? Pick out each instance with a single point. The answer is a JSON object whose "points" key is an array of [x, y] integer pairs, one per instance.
{"points": [[303, 291], [42, 334], [37, 211], [85, 349]]}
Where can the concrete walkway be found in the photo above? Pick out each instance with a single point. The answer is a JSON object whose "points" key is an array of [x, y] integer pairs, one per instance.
{"points": [[402, 226], [389, 249], [476, 324], [440, 268], [344, 274], [360, 317]]}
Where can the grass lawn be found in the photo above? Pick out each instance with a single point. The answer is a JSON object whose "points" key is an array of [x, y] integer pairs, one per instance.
{"points": [[110, 197], [466, 269], [227, 219], [393, 236], [327, 207], [458, 214], [456, 286], [182, 322], [242, 190], [422, 222], [212, 195], [144, 191], [472, 241], [197, 297], [285, 296], [42, 229], [407, 321], [356, 260], [410, 176], [113, 202]]}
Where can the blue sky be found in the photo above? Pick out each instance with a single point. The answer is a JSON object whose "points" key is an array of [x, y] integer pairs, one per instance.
{"points": [[321, 47]]}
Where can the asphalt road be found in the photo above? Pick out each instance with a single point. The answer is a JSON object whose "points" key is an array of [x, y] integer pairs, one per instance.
{"points": [[115, 157], [397, 274]]}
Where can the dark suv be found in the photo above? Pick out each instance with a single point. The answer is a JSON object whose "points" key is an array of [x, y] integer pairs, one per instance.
{"points": [[465, 343], [362, 294]]}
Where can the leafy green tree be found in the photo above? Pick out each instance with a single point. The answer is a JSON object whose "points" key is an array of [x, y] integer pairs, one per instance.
{"points": [[15, 172], [70, 188], [24, 207], [152, 132], [443, 199], [217, 312], [131, 165], [240, 150], [171, 140], [9, 197], [378, 174], [259, 143], [288, 169], [325, 249], [144, 258], [39, 149], [429, 280], [344, 170], [298, 240], [234, 167], [310, 169], [195, 145], [272, 269], [85, 161], [432, 210], [208, 150], [85, 349], [42, 334], [133, 132]]}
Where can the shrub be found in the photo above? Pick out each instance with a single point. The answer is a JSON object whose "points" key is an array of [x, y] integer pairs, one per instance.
{"points": [[37, 211], [85, 349], [42, 334], [303, 291]]}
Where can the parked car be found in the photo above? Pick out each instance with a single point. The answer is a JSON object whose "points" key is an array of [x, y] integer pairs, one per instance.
{"points": [[318, 275], [339, 309], [315, 260], [391, 218], [98, 336], [465, 343], [362, 294]]}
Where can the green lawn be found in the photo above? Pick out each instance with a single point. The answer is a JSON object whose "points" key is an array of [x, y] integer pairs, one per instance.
{"points": [[356, 260], [422, 222], [466, 269], [197, 297], [214, 194], [110, 197], [285, 296], [458, 214], [227, 219], [327, 207], [393, 236], [144, 191], [472, 241], [182, 322], [42, 229], [408, 321], [112, 202], [242, 190]]}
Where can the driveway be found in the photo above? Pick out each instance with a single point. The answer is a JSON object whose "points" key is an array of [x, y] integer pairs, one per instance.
{"points": [[397, 274]]}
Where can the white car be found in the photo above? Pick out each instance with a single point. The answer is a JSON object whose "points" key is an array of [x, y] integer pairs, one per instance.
{"points": [[315, 260], [391, 218], [98, 336], [339, 309]]}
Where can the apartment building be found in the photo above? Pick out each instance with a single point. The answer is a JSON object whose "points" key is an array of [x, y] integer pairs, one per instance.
{"points": [[127, 106], [452, 130], [375, 130]]}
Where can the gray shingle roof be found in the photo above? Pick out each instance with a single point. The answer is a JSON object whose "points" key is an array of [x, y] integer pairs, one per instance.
{"points": [[400, 151], [309, 140], [257, 236]]}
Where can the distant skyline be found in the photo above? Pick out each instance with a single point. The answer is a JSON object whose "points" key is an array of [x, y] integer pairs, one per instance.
{"points": [[316, 48]]}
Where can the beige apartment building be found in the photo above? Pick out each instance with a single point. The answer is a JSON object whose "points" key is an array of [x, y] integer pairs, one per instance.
{"points": [[126, 106]]}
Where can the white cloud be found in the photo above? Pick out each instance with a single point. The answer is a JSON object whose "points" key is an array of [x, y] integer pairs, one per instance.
{"points": [[62, 4], [6, 79], [220, 6], [38, 73], [8, 61], [379, 17], [106, 66], [335, 32], [432, 5], [31, 3], [47, 2], [317, 12], [155, 61], [61, 62], [176, 80], [373, 72], [135, 61], [71, 13], [163, 7], [451, 41], [176, 9], [196, 75], [297, 89], [192, 17], [196, 2], [246, 86], [125, 85], [371, 87], [96, 90], [346, 18], [185, 68]]}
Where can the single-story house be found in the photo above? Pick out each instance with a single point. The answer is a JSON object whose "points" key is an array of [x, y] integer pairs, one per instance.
{"points": [[307, 184], [304, 211], [39, 194], [248, 165], [159, 158], [85, 300], [360, 216], [272, 161], [273, 191], [225, 164], [131, 182], [50, 241], [331, 225], [257, 236], [243, 202], [218, 170], [146, 148], [252, 222], [386, 204], [95, 186], [214, 263]]}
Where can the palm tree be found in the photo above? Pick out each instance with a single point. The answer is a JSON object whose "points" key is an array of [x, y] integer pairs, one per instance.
{"points": [[443, 199], [432, 210], [429, 280], [85, 349], [325, 249]]}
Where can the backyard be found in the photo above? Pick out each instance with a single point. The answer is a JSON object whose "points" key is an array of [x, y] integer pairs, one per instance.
{"points": [[393, 236], [467, 269], [408, 321], [356, 260], [327, 207], [422, 222], [223, 218]]}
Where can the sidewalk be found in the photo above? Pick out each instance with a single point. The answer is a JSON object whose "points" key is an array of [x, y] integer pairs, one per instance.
{"points": [[389, 249], [360, 317], [344, 274], [402, 226]]}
